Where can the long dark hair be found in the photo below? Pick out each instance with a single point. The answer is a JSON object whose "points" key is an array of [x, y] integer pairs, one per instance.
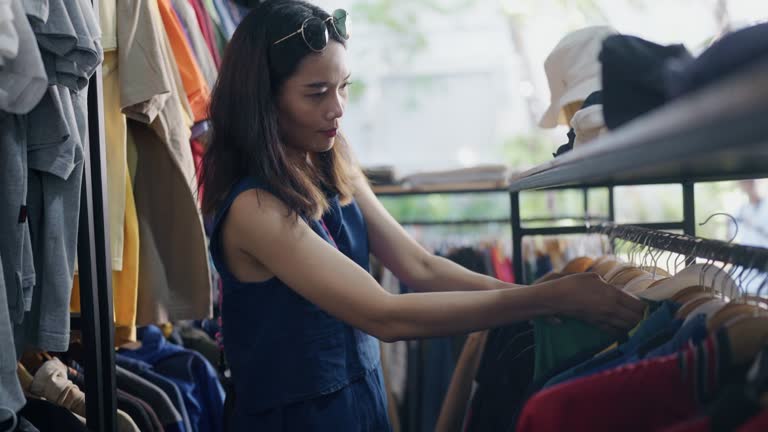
{"points": [[245, 140]]}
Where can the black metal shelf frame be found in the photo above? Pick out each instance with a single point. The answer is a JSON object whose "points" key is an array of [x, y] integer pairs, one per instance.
{"points": [[687, 225], [95, 270], [586, 217]]}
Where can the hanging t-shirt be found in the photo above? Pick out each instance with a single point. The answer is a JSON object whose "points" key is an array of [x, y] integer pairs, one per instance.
{"points": [[208, 30], [662, 319], [226, 19], [644, 396], [11, 395], [195, 86], [196, 378], [22, 78], [9, 38], [15, 243], [108, 24], [557, 342], [54, 206], [757, 424], [174, 282], [192, 27], [218, 27]]}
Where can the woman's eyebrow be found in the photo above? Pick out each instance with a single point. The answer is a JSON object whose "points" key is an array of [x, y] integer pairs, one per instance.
{"points": [[321, 84]]}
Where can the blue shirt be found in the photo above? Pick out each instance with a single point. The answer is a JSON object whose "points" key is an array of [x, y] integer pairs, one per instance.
{"points": [[194, 376], [694, 331], [280, 347], [145, 371]]}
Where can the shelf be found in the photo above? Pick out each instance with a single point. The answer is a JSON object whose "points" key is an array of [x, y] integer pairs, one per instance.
{"points": [[719, 133], [478, 187]]}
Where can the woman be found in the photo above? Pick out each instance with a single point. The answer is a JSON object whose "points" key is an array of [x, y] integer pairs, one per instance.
{"points": [[293, 223]]}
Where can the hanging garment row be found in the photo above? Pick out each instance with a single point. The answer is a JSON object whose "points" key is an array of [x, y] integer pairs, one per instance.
{"points": [[682, 368], [167, 383], [159, 60], [417, 373]]}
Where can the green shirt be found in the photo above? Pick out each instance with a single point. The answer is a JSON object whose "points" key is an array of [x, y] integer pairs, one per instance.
{"points": [[558, 342]]}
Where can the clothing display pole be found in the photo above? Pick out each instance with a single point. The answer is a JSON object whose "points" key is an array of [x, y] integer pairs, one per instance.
{"points": [[746, 257], [95, 271], [517, 238]]}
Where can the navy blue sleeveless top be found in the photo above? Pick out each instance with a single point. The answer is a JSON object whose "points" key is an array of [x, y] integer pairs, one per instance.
{"points": [[280, 347]]}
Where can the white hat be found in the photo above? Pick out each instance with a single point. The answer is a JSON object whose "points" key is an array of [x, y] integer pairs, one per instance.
{"points": [[588, 124], [573, 70]]}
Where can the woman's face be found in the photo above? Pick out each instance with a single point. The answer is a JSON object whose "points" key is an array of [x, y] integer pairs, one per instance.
{"points": [[312, 101]]}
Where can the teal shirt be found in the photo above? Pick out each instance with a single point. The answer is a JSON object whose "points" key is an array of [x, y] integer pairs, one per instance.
{"points": [[558, 342]]}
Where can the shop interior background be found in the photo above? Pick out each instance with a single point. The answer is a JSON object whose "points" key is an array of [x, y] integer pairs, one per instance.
{"points": [[440, 84]]}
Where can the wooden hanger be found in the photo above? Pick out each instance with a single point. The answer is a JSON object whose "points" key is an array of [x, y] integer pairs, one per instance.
{"points": [[707, 309], [730, 311], [746, 305], [689, 294], [578, 265], [32, 361], [758, 301], [712, 276], [656, 271], [600, 260], [617, 270], [640, 284], [25, 378], [694, 301], [604, 267], [625, 276], [747, 335]]}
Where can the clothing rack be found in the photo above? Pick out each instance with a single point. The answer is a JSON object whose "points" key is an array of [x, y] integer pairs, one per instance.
{"points": [[95, 270], [716, 134], [746, 257]]}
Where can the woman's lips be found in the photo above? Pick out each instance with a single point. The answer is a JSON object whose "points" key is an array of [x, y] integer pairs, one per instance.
{"points": [[330, 133]]}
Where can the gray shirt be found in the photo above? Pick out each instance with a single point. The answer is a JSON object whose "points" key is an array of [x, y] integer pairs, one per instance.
{"points": [[15, 250], [37, 10], [9, 39], [71, 53], [22, 79], [54, 207], [11, 396]]}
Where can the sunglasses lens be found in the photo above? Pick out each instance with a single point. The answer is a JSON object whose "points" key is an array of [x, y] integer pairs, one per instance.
{"points": [[316, 34], [341, 22]]}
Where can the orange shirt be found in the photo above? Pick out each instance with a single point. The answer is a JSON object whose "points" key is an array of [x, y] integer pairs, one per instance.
{"points": [[195, 86]]}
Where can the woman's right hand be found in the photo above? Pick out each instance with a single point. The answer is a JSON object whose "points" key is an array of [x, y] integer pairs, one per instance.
{"points": [[586, 296]]}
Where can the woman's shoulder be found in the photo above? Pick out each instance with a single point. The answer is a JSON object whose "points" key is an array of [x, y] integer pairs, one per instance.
{"points": [[244, 195]]}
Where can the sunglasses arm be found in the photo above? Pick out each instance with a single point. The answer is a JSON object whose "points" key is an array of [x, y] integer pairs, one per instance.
{"points": [[301, 30]]}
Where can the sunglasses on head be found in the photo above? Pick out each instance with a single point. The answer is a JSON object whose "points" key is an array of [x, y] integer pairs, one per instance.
{"points": [[314, 30]]}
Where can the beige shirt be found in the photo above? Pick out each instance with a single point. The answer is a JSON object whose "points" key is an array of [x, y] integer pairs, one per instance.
{"points": [[174, 276], [108, 23]]}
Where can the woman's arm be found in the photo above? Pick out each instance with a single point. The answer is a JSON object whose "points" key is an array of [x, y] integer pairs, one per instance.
{"points": [[420, 270], [257, 226]]}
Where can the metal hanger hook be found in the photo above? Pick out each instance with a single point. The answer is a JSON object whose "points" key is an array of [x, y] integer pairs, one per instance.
{"points": [[731, 217]]}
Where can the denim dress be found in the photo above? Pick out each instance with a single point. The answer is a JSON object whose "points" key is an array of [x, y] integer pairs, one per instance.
{"points": [[294, 366]]}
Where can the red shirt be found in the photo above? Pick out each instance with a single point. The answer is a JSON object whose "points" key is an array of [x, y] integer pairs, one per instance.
{"points": [[648, 395], [698, 425], [758, 423], [206, 27]]}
